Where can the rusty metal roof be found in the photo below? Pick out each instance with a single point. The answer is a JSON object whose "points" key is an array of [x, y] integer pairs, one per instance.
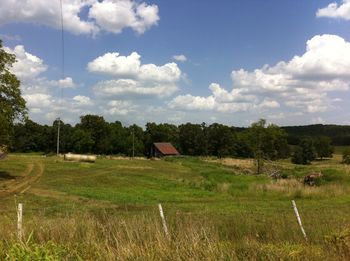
{"points": [[166, 148]]}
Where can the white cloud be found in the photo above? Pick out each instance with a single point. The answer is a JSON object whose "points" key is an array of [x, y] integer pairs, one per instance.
{"points": [[129, 67], [41, 93], [190, 102], [82, 100], [118, 107], [66, 83], [333, 10], [180, 58], [27, 66], [132, 77], [108, 15], [115, 15], [38, 100], [129, 87], [302, 84]]}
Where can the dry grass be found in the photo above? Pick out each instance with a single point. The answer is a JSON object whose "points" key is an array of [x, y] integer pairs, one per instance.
{"points": [[240, 163], [295, 188], [108, 237]]}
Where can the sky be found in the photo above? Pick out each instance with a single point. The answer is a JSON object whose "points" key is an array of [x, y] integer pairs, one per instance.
{"points": [[139, 61]]}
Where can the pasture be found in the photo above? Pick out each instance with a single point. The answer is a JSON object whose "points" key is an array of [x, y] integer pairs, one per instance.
{"points": [[214, 209]]}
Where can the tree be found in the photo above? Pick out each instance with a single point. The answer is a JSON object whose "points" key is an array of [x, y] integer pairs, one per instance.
{"points": [[192, 139], [323, 147], [12, 105], [305, 152], [267, 142], [99, 131], [221, 140]]}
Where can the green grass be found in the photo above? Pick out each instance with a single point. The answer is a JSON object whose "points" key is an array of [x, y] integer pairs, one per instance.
{"points": [[246, 214]]}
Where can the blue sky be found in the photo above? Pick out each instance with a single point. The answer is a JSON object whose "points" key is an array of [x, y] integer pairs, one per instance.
{"points": [[223, 61]]}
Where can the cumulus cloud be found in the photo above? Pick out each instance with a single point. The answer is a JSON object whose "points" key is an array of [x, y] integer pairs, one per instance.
{"points": [[38, 100], [132, 77], [118, 107], [82, 100], [302, 84], [180, 58], [108, 15], [27, 65], [333, 10], [115, 15], [41, 93], [113, 64]]}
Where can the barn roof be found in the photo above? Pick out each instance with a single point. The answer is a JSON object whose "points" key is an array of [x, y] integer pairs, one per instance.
{"points": [[166, 148]]}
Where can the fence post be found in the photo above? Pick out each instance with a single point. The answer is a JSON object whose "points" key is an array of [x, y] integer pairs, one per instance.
{"points": [[299, 219], [163, 220], [19, 221]]}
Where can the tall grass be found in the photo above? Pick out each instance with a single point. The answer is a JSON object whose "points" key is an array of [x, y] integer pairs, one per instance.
{"points": [[103, 236]]}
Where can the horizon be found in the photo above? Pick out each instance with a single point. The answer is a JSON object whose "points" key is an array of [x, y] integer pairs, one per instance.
{"points": [[176, 62]]}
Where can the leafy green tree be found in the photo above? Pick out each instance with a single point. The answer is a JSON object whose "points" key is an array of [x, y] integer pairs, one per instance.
{"points": [[117, 138], [193, 139], [221, 140], [305, 152], [12, 105], [134, 141], [99, 130], [267, 142], [323, 147], [65, 137], [82, 141], [31, 136]]}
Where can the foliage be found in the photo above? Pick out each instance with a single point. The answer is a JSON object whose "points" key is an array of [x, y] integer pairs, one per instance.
{"points": [[193, 139], [12, 105], [267, 142], [346, 157], [304, 153], [323, 147]]}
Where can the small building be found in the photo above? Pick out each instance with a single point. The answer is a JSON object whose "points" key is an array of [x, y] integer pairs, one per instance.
{"points": [[161, 149]]}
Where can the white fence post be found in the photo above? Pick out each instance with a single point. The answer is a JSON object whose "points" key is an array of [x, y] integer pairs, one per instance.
{"points": [[163, 220], [299, 219], [19, 221]]}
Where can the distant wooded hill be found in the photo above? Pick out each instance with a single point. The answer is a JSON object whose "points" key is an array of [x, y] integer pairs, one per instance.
{"points": [[340, 134]]}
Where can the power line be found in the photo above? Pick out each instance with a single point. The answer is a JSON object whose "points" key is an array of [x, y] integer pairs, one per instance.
{"points": [[63, 73]]}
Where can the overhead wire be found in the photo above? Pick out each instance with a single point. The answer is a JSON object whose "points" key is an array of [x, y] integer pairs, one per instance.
{"points": [[61, 87]]}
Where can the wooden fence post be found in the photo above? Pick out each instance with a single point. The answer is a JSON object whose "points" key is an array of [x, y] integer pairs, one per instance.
{"points": [[163, 221], [20, 221], [299, 219]]}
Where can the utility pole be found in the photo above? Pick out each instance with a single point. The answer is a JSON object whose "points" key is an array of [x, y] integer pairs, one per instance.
{"points": [[133, 142], [58, 135]]}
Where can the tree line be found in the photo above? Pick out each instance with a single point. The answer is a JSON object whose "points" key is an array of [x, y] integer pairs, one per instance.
{"points": [[94, 135]]}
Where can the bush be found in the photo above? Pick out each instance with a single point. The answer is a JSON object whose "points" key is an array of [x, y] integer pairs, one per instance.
{"points": [[346, 157]]}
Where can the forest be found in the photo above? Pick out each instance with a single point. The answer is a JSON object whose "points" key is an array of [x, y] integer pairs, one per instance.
{"points": [[94, 135]]}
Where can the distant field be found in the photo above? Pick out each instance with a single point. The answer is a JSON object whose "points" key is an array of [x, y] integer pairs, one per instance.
{"points": [[215, 209], [340, 149]]}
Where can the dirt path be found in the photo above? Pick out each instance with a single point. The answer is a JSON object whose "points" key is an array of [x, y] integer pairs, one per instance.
{"points": [[23, 182]]}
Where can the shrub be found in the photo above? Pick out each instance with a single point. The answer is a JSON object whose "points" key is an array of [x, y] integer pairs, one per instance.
{"points": [[346, 157]]}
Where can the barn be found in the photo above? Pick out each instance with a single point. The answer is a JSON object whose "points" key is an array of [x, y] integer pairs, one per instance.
{"points": [[161, 149]]}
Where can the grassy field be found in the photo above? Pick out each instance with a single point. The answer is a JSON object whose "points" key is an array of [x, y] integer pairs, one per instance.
{"points": [[215, 210]]}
